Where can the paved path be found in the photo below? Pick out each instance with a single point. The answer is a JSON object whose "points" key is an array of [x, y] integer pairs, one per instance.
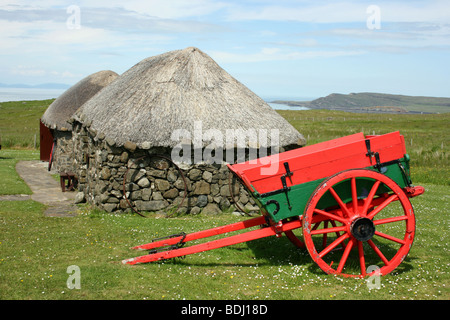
{"points": [[15, 197], [46, 189]]}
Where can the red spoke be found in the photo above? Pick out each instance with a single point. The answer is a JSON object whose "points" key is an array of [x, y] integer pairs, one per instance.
{"points": [[329, 230], [390, 220], [325, 236], [370, 197], [337, 232], [339, 201], [330, 215], [354, 195], [316, 225], [378, 252], [362, 261], [386, 236], [333, 245], [345, 256], [382, 206]]}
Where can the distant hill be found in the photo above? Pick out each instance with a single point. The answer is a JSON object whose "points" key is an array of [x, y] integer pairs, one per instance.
{"points": [[375, 102]]}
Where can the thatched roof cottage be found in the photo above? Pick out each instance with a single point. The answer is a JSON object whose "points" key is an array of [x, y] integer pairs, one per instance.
{"points": [[54, 125], [178, 104]]}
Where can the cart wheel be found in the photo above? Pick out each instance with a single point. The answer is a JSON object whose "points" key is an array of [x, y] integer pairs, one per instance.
{"points": [[294, 239], [360, 209]]}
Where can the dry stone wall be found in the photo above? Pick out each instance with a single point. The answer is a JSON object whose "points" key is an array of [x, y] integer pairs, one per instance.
{"points": [[152, 183], [63, 153]]}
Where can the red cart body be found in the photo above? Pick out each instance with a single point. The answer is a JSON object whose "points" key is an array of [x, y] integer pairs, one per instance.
{"points": [[341, 193]]}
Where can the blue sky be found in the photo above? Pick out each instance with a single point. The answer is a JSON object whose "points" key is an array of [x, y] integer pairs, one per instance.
{"points": [[279, 49]]}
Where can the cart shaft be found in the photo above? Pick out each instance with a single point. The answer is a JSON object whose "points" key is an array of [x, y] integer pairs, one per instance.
{"points": [[266, 231], [202, 234]]}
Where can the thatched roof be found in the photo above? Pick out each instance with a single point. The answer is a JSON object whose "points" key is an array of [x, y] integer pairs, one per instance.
{"points": [[171, 91], [62, 109]]}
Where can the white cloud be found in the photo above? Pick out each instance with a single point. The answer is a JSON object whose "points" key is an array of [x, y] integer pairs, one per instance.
{"points": [[165, 9], [39, 36], [276, 54], [27, 71], [36, 30], [65, 74], [345, 11], [36, 72], [404, 35], [270, 51], [115, 34], [334, 12], [173, 9]]}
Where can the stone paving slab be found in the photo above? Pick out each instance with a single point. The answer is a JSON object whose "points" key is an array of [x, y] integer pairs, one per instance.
{"points": [[46, 189], [15, 197]]}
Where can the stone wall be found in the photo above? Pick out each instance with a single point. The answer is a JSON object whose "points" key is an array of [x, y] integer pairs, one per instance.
{"points": [[63, 153], [152, 183]]}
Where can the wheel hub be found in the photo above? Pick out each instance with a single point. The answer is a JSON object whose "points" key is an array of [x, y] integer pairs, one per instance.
{"points": [[362, 229]]}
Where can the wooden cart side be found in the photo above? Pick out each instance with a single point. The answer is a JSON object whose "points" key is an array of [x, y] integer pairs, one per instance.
{"points": [[280, 205], [314, 162]]}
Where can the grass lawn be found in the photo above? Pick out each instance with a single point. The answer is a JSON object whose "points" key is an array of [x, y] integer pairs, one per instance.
{"points": [[36, 251], [10, 181]]}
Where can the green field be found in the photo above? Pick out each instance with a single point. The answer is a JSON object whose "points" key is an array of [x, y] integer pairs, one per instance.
{"points": [[36, 251], [19, 123]]}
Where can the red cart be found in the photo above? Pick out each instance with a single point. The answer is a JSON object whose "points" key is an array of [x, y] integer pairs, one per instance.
{"points": [[348, 197]]}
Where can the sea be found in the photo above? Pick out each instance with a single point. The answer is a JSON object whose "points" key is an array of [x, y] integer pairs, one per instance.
{"points": [[279, 106], [28, 94]]}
